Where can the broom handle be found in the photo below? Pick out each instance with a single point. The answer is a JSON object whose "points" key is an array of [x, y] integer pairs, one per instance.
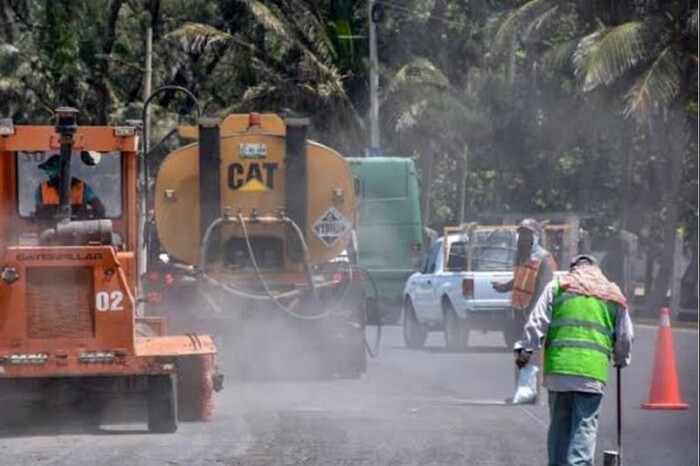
{"points": [[619, 414]]}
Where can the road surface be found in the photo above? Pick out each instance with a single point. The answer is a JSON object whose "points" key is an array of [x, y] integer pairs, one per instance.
{"points": [[413, 407]]}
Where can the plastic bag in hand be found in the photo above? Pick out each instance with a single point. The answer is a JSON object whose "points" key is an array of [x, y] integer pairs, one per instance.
{"points": [[526, 392]]}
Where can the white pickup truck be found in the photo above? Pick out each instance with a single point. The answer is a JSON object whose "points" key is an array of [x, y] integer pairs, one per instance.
{"points": [[453, 292]]}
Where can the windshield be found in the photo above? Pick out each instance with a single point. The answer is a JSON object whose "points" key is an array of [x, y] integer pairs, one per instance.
{"points": [[102, 180]]}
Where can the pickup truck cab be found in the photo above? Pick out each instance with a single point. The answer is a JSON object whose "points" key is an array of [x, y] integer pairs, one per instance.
{"points": [[453, 292]]}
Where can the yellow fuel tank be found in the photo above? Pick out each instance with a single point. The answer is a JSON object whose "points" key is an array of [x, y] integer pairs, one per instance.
{"points": [[253, 178]]}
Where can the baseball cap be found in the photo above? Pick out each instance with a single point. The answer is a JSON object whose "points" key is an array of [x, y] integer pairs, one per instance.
{"points": [[582, 258], [530, 224]]}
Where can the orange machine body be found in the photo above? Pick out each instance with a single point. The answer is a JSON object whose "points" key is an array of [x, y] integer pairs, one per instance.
{"points": [[71, 311]]}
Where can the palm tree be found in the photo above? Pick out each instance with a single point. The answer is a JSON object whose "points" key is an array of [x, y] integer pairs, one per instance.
{"points": [[289, 58], [642, 54]]}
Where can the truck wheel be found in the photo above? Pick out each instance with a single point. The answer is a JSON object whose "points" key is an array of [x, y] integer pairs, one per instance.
{"points": [[414, 333], [456, 331], [354, 364], [162, 404], [195, 385]]}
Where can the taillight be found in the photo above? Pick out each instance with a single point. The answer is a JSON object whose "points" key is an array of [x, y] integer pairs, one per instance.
{"points": [[338, 277], [154, 276], [169, 279], [154, 298], [416, 254], [468, 287]]}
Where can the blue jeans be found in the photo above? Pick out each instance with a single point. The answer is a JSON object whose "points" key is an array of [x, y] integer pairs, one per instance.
{"points": [[572, 428]]}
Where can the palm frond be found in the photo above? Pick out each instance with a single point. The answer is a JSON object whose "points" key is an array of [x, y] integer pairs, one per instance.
{"points": [[320, 59], [521, 17], [269, 19], [558, 56], [417, 73], [605, 55], [693, 22], [198, 38], [541, 20], [656, 87], [312, 31]]}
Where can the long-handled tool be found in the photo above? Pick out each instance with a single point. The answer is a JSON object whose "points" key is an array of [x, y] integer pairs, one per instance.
{"points": [[614, 458]]}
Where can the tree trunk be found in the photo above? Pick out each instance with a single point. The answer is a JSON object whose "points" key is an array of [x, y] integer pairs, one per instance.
{"points": [[464, 172], [626, 170], [674, 137], [689, 282], [427, 161]]}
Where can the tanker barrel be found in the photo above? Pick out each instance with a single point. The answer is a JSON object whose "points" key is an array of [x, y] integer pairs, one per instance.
{"points": [[296, 182], [209, 176]]}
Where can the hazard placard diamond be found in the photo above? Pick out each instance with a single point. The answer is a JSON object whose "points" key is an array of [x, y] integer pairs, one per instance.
{"points": [[331, 226]]}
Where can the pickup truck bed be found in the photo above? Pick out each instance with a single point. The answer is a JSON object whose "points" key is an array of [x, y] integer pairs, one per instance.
{"points": [[455, 295]]}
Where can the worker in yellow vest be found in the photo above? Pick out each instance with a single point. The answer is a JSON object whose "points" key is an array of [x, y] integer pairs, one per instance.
{"points": [[81, 195], [583, 322]]}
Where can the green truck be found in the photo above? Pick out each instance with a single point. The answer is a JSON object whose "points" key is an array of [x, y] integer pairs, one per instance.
{"points": [[390, 241]]}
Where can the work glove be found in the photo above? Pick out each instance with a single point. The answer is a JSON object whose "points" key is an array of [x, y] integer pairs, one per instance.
{"points": [[522, 357], [498, 286]]}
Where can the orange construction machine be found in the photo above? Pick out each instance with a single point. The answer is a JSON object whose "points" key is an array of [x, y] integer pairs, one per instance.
{"points": [[71, 326]]}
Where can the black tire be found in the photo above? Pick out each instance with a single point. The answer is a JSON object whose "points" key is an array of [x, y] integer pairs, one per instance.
{"points": [[456, 331], [354, 366], [195, 388], [162, 404], [414, 333]]}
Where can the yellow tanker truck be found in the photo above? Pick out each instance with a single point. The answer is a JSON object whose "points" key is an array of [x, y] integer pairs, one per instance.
{"points": [[253, 219]]}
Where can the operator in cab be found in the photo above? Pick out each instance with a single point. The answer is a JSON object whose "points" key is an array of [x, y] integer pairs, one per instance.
{"points": [[82, 197]]}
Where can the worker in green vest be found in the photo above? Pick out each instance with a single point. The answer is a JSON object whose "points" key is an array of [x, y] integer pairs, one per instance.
{"points": [[583, 322]]}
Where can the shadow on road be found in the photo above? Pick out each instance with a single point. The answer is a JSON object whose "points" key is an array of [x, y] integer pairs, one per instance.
{"points": [[33, 420], [471, 349]]}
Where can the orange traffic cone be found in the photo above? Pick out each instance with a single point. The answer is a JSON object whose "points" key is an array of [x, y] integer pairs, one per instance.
{"points": [[664, 384]]}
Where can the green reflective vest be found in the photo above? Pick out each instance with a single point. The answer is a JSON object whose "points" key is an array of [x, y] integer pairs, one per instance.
{"points": [[580, 337]]}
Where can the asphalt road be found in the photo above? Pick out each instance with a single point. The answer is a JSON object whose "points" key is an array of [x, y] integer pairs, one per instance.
{"points": [[413, 407]]}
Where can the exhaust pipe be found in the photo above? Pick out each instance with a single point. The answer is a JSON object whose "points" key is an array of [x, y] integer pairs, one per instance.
{"points": [[66, 127]]}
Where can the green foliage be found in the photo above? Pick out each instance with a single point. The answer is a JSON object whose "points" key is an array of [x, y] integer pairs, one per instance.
{"points": [[554, 102], [606, 54]]}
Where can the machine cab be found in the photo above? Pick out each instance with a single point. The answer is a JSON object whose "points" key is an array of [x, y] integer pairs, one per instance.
{"points": [[67, 189]]}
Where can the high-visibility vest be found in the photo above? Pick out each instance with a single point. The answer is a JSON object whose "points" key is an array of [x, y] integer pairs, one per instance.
{"points": [[579, 340], [50, 195], [524, 281]]}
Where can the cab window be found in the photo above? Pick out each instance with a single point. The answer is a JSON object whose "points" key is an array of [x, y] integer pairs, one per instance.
{"points": [[457, 260], [432, 259], [103, 180]]}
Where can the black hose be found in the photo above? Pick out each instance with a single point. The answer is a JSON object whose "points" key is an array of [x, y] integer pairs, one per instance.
{"points": [[372, 350], [287, 221]]}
